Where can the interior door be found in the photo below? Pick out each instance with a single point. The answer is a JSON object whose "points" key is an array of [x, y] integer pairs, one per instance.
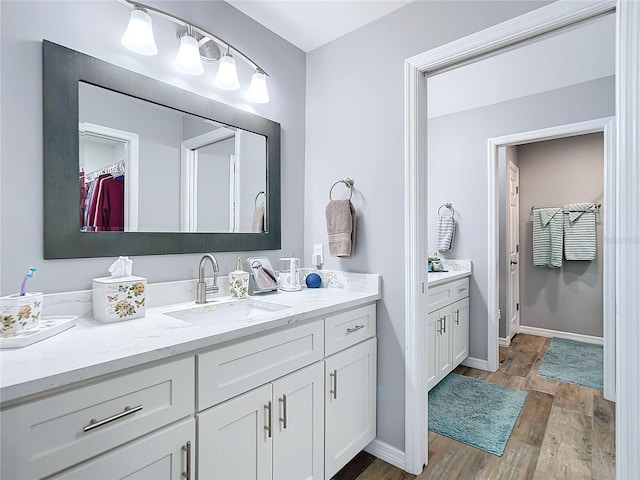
{"points": [[513, 245]]}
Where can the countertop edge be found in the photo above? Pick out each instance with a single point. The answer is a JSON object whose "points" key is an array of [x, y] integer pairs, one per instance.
{"points": [[11, 395]]}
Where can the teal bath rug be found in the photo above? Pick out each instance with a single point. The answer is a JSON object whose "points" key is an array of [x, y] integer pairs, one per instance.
{"points": [[475, 412], [573, 362]]}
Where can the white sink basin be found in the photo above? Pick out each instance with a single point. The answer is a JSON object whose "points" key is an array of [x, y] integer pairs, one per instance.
{"points": [[229, 311]]}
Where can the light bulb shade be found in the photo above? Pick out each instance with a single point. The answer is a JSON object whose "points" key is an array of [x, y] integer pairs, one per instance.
{"points": [[139, 34], [258, 89], [188, 58], [227, 76]]}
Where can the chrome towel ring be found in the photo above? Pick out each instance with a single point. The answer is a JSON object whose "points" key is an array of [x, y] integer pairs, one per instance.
{"points": [[348, 182], [255, 202], [448, 206]]}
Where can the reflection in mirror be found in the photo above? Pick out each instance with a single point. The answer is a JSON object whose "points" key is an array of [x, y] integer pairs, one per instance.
{"points": [[183, 173]]}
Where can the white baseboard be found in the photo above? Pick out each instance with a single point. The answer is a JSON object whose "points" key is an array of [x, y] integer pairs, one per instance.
{"points": [[476, 363], [504, 342], [386, 452], [544, 332]]}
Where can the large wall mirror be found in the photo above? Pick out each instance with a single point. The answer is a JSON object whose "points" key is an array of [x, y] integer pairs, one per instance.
{"points": [[139, 167]]}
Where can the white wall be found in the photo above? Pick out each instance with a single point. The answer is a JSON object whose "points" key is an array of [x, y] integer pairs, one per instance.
{"points": [[556, 173], [95, 28], [355, 127]]}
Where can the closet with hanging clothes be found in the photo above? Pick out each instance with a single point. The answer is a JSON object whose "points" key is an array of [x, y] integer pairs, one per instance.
{"points": [[102, 198]]}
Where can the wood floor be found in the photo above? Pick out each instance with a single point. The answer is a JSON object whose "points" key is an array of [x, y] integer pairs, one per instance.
{"points": [[563, 432]]}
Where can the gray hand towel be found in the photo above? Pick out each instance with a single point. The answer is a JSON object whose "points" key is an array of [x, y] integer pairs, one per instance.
{"points": [[257, 223], [446, 233], [341, 227]]}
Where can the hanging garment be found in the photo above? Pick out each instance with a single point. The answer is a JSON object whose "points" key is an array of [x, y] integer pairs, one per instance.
{"points": [[580, 231], [107, 204], [547, 237]]}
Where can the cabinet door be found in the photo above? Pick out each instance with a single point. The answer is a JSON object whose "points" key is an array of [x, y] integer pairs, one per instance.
{"points": [[350, 404], [235, 438], [460, 329], [444, 340], [298, 427], [432, 347], [158, 456]]}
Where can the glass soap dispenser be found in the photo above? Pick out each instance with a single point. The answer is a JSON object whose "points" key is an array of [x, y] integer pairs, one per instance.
{"points": [[239, 281]]}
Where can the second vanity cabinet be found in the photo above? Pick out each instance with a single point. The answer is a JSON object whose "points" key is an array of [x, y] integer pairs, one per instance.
{"points": [[447, 333]]}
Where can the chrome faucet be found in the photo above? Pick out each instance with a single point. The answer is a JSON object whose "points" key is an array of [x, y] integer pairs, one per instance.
{"points": [[202, 289]]}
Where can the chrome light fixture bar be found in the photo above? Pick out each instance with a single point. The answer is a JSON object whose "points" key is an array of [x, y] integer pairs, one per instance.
{"points": [[139, 38]]}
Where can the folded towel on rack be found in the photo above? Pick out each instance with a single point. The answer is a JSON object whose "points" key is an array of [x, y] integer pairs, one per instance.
{"points": [[446, 232], [341, 227], [580, 231], [547, 237], [257, 223]]}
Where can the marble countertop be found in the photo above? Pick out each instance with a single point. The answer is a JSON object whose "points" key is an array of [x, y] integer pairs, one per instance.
{"points": [[92, 348], [455, 269]]}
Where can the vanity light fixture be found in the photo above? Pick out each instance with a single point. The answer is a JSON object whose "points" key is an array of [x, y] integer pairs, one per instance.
{"points": [[227, 76], [139, 34], [188, 58], [196, 44]]}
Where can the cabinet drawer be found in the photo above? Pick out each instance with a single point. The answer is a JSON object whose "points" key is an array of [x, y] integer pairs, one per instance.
{"points": [[44, 436], [447, 293], [229, 371], [348, 328]]}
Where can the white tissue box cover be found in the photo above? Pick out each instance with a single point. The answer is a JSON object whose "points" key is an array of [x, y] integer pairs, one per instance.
{"points": [[117, 299]]}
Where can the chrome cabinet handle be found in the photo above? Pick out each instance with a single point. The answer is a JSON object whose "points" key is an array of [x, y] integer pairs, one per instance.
{"points": [[444, 324], [187, 474], [93, 423], [457, 317], [335, 384], [283, 419], [355, 329], [513, 262], [440, 325], [267, 427], [462, 289]]}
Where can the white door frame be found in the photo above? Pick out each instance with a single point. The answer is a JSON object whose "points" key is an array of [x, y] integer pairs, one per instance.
{"points": [[553, 16], [606, 126]]}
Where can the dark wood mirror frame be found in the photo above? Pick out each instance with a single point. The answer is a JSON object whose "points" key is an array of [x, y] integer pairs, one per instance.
{"points": [[63, 68]]}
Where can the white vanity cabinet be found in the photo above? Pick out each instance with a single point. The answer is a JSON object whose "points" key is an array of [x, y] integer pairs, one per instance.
{"points": [[306, 414], [46, 436], [447, 332], [274, 431], [294, 402]]}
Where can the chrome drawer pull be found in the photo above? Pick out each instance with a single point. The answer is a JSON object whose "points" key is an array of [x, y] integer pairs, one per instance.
{"points": [[462, 289], [457, 317], [355, 329], [283, 419], [267, 427], [335, 384], [187, 474], [99, 423], [444, 324]]}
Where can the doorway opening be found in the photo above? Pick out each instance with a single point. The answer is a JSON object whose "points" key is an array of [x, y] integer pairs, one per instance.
{"points": [[499, 145]]}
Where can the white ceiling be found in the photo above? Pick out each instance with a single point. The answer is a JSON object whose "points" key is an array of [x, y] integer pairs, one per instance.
{"points": [[309, 24]]}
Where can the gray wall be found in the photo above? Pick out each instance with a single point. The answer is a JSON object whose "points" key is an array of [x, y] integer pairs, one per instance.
{"points": [[556, 173], [355, 127], [95, 28], [461, 139], [506, 155]]}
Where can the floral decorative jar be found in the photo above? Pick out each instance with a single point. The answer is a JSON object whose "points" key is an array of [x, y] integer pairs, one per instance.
{"points": [[20, 312], [117, 299]]}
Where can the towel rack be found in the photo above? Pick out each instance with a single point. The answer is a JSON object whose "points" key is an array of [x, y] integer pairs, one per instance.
{"points": [[595, 205], [348, 182], [255, 202], [448, 206]]}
